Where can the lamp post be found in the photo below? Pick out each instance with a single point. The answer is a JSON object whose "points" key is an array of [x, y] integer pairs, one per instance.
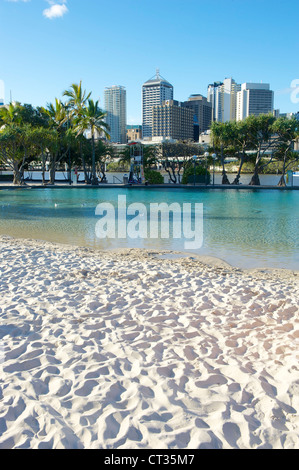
{"points": [[214, 156]]}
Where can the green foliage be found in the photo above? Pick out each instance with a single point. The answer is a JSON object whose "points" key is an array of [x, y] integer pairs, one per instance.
{"points": [[253, 140], [153, 177], [199, 171], [118, 167]]}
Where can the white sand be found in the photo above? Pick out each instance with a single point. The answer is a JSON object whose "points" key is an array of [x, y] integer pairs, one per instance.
{"points": [[127, 350]]}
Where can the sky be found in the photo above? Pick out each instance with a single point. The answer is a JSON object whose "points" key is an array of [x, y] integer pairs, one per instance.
{"points": [[48, 45]]}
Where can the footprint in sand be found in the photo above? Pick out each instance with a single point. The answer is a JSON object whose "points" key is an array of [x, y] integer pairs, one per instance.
{"points": [[212, 381], [166, 371], [112, 427], [231, 433], [134, 434], [86, 389], [115, 392]]}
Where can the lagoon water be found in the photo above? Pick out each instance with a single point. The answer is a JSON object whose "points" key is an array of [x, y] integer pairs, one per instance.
{"points": [[246, 228]]}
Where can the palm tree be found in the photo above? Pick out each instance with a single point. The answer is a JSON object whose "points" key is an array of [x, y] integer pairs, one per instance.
{"points": [[92, 119], [57, 113], [10, 114], [77, 99], [59, 143]]}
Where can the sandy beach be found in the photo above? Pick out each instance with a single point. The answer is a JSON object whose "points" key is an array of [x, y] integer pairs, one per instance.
{"points": [[133, 350]]}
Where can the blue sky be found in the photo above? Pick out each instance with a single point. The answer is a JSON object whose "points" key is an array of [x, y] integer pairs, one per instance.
{"points": [[48, 45]]}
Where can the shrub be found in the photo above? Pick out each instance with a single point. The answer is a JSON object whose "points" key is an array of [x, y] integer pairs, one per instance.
{"points": [[153, 177], [199, 171], [118, 166]]}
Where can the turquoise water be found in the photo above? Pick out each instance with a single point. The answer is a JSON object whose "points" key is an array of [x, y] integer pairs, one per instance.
{"points": [[245, 228]]}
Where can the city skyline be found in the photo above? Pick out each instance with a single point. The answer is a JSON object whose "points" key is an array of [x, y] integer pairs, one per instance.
{"points": [[207, 44]]}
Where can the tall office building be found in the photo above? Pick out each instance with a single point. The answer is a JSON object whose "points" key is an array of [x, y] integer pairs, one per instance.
{"points": [[116, 109], [213, 98], [154, 92], [223, 97], [202, 110], [171, 120], [254, 98]]}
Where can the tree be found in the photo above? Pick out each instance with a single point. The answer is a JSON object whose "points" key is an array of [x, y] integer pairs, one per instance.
{"points": [[260, 129], [153, 176], [36, 117], [287, 131], [10, 114], [175, 158], [23, 136], [243, 143], [92, 120], [77, 99], [103, 155], [192, 172], [42, 140], [14, 146], [60, 138], [150, 156], [57, 113], [224, 142]]}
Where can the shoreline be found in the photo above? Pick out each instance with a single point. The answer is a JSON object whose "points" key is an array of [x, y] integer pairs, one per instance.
{"points": [[170, 255], [125, 350], [148, 186]]}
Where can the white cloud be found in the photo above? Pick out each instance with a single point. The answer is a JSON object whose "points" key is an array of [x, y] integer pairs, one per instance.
{"points": [[56, 10]]}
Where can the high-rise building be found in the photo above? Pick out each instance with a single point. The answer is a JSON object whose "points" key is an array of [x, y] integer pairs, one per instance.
{"points": [[202, 111], [154, 92], [116, 109], [223, 97], [254, 98], [171, 120], [213, 98]]}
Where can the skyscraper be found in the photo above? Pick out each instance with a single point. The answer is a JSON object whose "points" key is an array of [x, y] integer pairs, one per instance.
{"points": [[202, 111], [213, 98], [154, 92], [171, 120], [116, 109], [254, 98], [223, 96]]}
